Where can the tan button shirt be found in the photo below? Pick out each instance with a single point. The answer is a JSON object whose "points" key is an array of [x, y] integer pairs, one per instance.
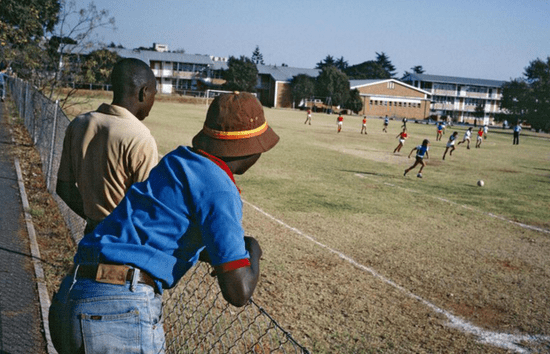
{"points": [[105, 152]]}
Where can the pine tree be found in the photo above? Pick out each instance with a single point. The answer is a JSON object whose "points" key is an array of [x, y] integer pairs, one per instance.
{"points": [[384, 61], [257, 57]]}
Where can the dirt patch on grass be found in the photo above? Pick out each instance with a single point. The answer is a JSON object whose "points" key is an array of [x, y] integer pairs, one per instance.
{"points": [[506, 170], [489, 316], [371, 154]]}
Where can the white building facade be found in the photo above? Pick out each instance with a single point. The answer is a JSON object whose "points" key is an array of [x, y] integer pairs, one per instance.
{"points": [[458, 97], [178, 72]]}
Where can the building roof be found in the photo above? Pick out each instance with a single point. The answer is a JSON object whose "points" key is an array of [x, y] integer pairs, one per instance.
{"points": [[453, 80], [359, 83], [279, 73], [285, 73], [151, 55]]}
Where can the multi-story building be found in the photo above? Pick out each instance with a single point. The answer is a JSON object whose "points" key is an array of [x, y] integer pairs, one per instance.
{"points": [[179, 72], [458, 97], [415, 96]]}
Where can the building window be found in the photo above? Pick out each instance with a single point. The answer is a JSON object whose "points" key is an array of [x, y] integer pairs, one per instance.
{"points": [[391, 85], [183, 84], [186, 67], [446, 87]]}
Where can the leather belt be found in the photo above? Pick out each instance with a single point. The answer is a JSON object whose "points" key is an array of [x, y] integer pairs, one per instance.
{"points": [[114, 274]]}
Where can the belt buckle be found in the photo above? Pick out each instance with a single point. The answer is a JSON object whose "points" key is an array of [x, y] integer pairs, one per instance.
{"points": [[112, 273]]}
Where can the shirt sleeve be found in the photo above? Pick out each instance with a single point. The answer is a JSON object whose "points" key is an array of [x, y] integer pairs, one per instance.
{"points": [[221, 229], [65, 172], [143, 159]]}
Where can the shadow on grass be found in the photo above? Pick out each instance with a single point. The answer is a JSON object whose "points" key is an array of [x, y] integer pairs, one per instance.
{"points": [[363, 172]]}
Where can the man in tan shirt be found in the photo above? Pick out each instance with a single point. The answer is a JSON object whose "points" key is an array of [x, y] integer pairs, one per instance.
{"points": [[106, 151]]}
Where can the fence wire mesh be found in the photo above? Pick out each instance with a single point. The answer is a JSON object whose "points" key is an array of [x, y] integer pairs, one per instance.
{"points": [[196, 317]]}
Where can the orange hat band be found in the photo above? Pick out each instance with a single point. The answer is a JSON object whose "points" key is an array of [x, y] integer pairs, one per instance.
{"points": [[236, 135]]}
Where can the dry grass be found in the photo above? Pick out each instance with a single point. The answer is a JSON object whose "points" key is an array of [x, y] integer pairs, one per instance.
{"points": [[432, 237], [57, 248]]}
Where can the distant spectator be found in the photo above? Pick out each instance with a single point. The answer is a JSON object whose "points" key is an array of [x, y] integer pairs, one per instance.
{"points": [[2, 86], [517, 130]]}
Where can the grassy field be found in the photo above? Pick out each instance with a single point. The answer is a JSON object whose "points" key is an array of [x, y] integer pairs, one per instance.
{"points": [[358, 258]]}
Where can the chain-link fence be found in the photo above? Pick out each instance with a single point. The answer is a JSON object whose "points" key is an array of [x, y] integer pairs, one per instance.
{"points": [[46, 123], [197, 318]]}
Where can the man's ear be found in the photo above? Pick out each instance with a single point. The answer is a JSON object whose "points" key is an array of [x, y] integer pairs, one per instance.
{"points": [[142, 93]]}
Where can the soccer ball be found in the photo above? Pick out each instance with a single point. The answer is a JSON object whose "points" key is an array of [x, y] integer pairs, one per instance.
{"points": [[480, 183]]}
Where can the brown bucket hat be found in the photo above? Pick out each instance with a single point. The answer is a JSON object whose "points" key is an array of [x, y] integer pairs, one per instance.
{"points": [[235, 126]]}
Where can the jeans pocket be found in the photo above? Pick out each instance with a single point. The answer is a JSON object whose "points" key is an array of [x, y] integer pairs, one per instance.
{"points": [[113, 333], [159, 340]]}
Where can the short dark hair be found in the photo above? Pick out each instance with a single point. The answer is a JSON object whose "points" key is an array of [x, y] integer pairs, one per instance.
{"points": [[128, 75]]}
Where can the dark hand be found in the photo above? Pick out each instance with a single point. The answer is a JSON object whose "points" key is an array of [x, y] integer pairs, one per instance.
{"points": [[253, 247], [238, 285], [204, 256]]}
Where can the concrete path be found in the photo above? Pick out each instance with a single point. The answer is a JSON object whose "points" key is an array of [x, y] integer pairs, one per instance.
{"points": [[20, 321]]}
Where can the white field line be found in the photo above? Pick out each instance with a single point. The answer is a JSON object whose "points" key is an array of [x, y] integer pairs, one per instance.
{"points": [[502, 340], [525, 226]]}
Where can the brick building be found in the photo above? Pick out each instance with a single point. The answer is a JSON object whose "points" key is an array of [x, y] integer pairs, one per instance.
{"points": [[392, 98]]}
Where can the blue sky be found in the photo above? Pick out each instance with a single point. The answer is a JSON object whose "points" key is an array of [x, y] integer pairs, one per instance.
{"points": [[489, 39]]}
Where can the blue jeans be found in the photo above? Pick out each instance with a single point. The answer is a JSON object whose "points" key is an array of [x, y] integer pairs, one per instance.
{"points": [[91, 317]]}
